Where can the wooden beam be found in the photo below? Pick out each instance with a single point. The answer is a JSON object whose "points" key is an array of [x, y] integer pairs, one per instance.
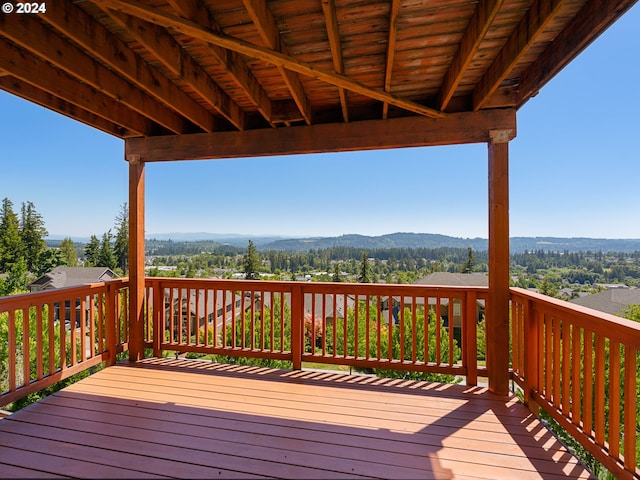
{"points": [[369, 135], [96, 40], [497, 318], [268, 28], [26, 31], [170, 53], [331, 20], [391, 51], [590, 22], [136, 258], [40, 74], [532, 25], [479, 24], [33, 94], [245, 48], [233, 63]]}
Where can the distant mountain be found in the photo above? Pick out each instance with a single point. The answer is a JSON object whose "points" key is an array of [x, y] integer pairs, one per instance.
{"points": [[393, 240], [574, 244], [430, 240], [238, 240]]}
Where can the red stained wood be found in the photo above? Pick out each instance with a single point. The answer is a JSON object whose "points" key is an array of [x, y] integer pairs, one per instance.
{"points": [[191, 419]]}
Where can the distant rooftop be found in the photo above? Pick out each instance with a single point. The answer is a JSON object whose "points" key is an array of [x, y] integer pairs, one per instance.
{"points": [[455, 279], [611, 300], [61, 277]]}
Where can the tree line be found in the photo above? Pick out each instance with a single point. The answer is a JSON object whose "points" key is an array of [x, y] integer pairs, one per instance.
{"points": [[25, 255]]}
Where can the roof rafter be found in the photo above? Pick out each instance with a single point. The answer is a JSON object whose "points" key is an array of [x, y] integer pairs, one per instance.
{"points": [[47, 100], [245, 48], [26, 31], [530, 27], [391, 51], [22, 64], [232, 62], [268, 28], [595, 17], [99, 42], [170, 53], [331, 20], [479, 24]]}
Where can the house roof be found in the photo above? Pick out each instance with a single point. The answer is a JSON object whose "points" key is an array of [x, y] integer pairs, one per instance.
{"points": [[611, 300], [454, 279], [61, 277], [234, 78]]}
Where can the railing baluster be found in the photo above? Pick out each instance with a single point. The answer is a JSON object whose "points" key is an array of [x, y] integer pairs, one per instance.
{"points": [[576, 384], [566, 367], [599, 397], [587, 404], [39, 343], [414, 329], [614, 399], [52, 338], [630, 408], [12, 350], [438, 331]]}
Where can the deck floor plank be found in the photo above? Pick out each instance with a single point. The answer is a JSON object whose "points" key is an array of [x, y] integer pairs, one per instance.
{"points": [[191, 419]]}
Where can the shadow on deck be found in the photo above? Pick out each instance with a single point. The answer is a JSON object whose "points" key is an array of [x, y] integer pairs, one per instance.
{"points": [[191, 419]]}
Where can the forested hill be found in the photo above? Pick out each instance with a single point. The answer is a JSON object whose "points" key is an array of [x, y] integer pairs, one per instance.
{"points": [[393, 240], [429, 240]]}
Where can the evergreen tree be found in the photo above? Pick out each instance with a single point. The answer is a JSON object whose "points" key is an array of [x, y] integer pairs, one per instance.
{"points": [[468, 266], [250, 262], [336, 277], [121, 246], [106, 258], [16, 280], [68, 252], [32, 232], [91, 251], [47, 261], [364, 276], [10, 241]]}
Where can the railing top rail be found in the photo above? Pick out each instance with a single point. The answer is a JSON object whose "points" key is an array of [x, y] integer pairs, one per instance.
{"points": [[53, 295], [320, 287], [614, 325]]}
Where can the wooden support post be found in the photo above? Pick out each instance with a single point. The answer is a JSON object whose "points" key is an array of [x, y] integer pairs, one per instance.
{"points": [[497, 322], [136, 258]]}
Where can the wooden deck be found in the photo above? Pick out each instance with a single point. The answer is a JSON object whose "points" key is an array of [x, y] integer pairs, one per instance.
{"points": [[191, 419]]}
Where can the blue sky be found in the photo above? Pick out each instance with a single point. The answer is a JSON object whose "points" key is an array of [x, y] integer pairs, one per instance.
{"points": [[574, 171]]}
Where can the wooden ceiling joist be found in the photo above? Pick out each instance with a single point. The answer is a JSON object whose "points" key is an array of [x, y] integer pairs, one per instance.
{"points": [[47, 100], [232, 62], [170, 53], [593, 19], [391, 51], [462, 128], [531, 26], [268, 28], [96, 40], [30, 34], [196, 31], [22, 64], [331, 20], [479, 24]]}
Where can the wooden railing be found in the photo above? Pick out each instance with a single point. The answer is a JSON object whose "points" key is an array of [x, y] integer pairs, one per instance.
{"points": [[580, 366], [48, 336], [395, 327]]}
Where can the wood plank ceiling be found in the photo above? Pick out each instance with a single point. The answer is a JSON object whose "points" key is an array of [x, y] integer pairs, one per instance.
{"points": [[247, 71]]}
